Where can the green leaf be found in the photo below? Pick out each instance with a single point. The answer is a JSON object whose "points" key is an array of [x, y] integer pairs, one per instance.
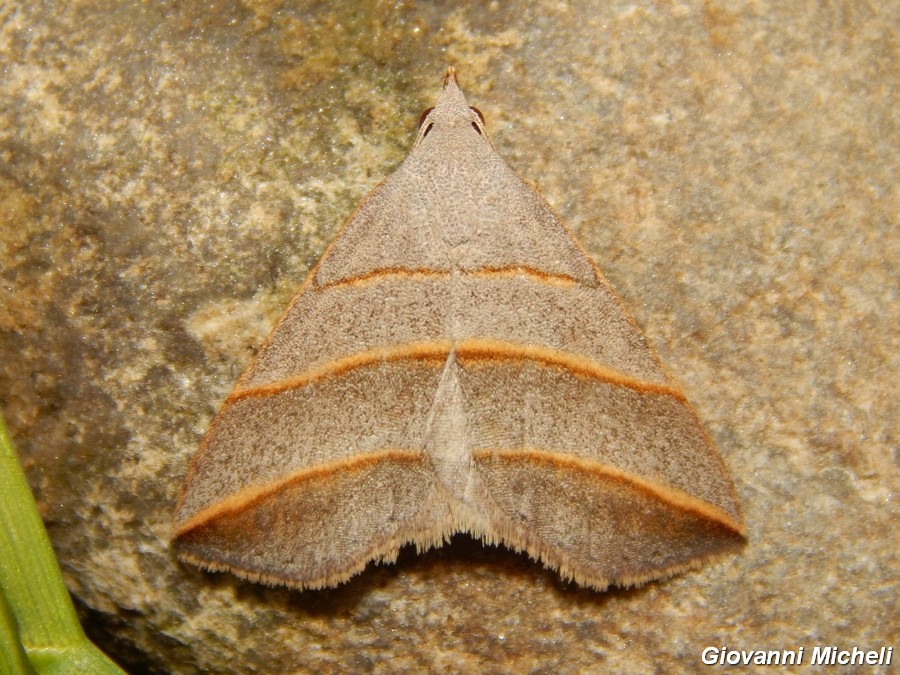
{"points": [[39, 630]]}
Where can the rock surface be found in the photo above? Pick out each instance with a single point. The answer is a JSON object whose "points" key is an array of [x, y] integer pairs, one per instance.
{"points": [[168, 175]]}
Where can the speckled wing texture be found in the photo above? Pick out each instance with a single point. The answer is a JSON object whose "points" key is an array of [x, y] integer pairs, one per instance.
{"points": [[456, 363]]}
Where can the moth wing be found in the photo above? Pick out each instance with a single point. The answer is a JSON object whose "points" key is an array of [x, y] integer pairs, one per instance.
{"points": [[303, 485], [597, 526], [318, 528], [589, 455]]}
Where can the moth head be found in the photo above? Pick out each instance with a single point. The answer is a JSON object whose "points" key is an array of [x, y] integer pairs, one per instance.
{"points": [[452, 114]]}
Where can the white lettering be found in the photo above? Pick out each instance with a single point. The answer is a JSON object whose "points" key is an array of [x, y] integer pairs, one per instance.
{"points": [[709, 656], [723, 656], [820, 656], [786, 657]]}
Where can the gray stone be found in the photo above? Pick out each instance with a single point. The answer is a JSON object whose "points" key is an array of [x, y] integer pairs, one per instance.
{"points": [[168, 175]]}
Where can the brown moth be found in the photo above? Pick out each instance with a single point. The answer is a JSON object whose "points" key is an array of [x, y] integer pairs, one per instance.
{"points": [[456, 363]]}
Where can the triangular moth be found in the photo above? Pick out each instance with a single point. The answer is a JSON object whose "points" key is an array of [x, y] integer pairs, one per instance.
{"points": [[455, 362]]}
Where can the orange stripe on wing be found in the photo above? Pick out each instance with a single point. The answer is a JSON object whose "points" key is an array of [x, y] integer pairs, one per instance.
{"points": [[472, 351], [664, 493], [389, 273], [247, 497], [496, 350], [435, 351]]}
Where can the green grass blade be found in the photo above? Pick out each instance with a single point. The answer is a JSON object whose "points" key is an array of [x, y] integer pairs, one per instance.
{"points": [[12, 656], [37, 618]]}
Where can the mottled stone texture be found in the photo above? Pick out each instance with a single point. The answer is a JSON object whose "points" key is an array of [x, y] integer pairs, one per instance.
{"points": [[169, 173]]}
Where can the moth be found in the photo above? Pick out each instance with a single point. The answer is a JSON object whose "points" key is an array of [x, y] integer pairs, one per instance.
{"points": [[456, 363]]}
